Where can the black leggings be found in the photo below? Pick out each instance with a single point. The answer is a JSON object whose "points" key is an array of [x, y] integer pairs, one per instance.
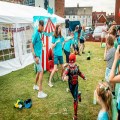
{"points": [[74, 90], [67, 56], [75, 46]]}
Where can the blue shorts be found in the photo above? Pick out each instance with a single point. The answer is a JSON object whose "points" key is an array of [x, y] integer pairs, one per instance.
{"points": [[58, 59], [39, 65]]}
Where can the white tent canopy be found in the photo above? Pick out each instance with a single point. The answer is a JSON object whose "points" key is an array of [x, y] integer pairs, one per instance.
{"points": [[16, 13], [17, 16]]}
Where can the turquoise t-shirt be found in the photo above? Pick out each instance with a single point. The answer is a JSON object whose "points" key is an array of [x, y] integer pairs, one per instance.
{"points": [[82, 35], [103, 116], [76, 37], [37, 42], [115, 44], [58, 48], [118, 62], [118, 99], [67, 45]]}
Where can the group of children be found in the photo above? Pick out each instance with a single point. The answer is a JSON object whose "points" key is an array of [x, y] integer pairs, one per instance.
{"points": [[103, 90], [106, 91]]}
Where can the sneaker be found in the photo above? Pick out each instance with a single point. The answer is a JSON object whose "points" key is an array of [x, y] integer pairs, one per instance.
{"points": [[83, 52], [67, 90], [50, 84], [41, 95], [35, 87], [79, 96], [75, 117]]}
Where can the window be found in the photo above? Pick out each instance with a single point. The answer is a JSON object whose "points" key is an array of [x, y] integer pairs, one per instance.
{"points": [[73, 16], [7, 47], [6, 43], [29, 2]]}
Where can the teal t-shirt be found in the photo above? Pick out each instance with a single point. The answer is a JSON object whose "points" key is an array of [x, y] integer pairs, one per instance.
{"points": [[103, 116], [58, 48], [115, 44], [118, 63], [67, 45], [76, 37], [37, 42]]}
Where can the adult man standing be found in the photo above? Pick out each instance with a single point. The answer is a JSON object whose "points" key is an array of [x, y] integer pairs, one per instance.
{"points": [[37, 54]]}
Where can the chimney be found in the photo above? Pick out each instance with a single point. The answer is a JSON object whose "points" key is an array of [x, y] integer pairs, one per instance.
{"points": [[78, 5]]}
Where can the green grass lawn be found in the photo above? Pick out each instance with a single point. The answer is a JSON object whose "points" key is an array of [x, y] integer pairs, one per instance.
{"points": [[59, 104]]}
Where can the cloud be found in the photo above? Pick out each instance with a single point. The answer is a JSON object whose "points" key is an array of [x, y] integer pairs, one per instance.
{"points": [[98, 5]]}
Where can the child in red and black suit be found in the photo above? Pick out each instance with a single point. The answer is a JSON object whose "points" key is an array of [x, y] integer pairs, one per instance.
{"points": [[72, 71]]}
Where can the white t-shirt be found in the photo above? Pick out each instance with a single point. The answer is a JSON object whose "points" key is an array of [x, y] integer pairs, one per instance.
{"points": [[104, 29]]}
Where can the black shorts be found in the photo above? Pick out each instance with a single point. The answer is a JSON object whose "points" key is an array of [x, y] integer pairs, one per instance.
{"points": [[81, 41]]}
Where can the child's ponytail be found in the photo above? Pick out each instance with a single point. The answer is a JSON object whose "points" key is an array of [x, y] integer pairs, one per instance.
{"points": [[109, 103]]}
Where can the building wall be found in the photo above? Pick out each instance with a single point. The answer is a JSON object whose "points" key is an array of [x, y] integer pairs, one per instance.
{"points": [[101, 20], [72, 17], [59, 7], [96, 15], [117, 7], [40, 3], [83, 14], [23, 2]]}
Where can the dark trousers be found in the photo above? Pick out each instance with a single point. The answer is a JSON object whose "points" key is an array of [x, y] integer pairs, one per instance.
{"points": [[75, 46], [74, 92], [67, 56]]}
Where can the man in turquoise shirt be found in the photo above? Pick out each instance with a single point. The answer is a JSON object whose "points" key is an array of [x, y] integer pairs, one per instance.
{"points": [[36, 48]]}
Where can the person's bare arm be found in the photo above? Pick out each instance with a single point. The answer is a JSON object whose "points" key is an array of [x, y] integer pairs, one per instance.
{"points": [[34, 55], [32, 48], [54, 44], [113, 78], [105, 53], [69, 39]]}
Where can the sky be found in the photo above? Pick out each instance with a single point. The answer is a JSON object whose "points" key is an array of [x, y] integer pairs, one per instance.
{"points": [[107, 6]]}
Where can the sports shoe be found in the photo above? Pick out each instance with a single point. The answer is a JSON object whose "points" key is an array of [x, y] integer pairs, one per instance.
{"points": [[83, 52], [41, 95], [75, 117], [35, 87], [79, 96], [67, 90], [50, 84]]}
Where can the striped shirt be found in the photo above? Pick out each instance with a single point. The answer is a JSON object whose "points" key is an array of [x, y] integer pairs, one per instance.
{"points": [[110, 57]]}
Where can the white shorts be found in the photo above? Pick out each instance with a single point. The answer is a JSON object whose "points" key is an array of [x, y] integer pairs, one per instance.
{"points": [[103, 35]]}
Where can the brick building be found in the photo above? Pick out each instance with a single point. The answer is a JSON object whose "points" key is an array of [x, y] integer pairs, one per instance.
{"points": [[117, 11], [110, 17], [59, 7], [98, 17]]}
